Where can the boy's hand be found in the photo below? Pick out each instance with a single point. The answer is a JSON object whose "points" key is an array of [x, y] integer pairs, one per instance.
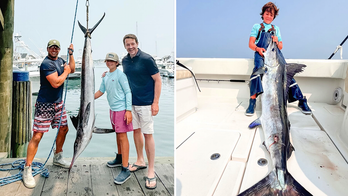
{"points": [[103, 75], [260, 51], [128, 117], [275, 39]]}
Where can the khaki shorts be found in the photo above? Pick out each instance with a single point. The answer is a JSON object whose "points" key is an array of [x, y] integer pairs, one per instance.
{"points": [[143, 119]]}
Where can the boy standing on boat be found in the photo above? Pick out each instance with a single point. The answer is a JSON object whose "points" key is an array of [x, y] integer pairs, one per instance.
{"points": [[260, 37], [145, 83], [119, 96], [49, 106]]}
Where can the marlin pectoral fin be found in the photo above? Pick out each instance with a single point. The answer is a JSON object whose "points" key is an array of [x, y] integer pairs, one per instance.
{"points": [[101, 131], [86, 114], [291, 148], [75, 120], [260, 71], [264, 144], [255, 123]]}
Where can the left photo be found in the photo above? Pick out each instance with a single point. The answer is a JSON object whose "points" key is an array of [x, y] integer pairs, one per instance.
{"points": [[87, 95]]}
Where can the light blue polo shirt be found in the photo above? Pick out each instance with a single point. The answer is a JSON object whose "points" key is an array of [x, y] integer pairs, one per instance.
{"points": [[119, 95], [256, 28]]}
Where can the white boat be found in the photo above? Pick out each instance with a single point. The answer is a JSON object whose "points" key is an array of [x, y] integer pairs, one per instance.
{"points": [[26, 59], [213, 122]]}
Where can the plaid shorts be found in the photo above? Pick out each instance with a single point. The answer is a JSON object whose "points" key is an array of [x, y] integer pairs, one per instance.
{"points": [[47, 114]]}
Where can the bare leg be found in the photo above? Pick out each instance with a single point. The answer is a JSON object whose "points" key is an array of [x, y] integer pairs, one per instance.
{"points": [[118, 144], [61, 138], [32, 147], [139, 144], [150, 152], [124, 147]]}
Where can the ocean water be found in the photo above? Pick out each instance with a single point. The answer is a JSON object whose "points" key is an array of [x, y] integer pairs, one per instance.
{"points": [[104, 145]]}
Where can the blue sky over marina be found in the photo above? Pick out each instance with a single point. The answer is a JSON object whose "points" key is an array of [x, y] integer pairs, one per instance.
{"points": [[310, 29], [38, 21]]}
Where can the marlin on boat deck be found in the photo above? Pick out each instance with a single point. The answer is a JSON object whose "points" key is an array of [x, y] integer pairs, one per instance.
{"points": [[276, 125]]}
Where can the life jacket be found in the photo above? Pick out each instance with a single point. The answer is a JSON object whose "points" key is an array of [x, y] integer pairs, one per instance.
{"points": [[262, 28]]}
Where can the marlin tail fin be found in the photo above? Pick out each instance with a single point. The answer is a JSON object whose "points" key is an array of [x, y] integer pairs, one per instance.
{"points": [[270, 186], [90, 31]]}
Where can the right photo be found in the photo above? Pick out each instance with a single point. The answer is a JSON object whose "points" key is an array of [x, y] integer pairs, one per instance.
{"points": [[261, 95]]}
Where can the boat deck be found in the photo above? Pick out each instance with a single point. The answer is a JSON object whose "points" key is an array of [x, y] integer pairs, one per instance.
{"points": [[219, 125], [91, 176]]}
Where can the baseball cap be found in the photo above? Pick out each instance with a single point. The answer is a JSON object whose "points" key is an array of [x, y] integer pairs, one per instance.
{"points": [[111, 57], [53, 42]]}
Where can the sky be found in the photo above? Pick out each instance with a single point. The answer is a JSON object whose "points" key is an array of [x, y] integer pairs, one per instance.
{"points": [[38, 21], [310, 29]]}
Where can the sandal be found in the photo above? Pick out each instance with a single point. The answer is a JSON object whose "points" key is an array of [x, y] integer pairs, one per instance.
{"points": [[149, 180], [138, 167]]}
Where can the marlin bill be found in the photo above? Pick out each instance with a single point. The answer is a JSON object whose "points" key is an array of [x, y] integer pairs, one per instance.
{"points": [[276, 126]]}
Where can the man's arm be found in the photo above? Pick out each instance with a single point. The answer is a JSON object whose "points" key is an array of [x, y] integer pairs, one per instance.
{"points": [[71, 58], [158, 85], [55, 80]]}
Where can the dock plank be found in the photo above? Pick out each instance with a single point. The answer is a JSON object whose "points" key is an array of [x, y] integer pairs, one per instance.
{"points": [[160, 190], [91, 176], [130, 187], [102, 183], [79, 182], [56, 183], [166, 176]]}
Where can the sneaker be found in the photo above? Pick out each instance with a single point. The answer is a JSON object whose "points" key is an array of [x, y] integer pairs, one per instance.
{"points": [[123, 176], [28, 178], [303, 106], [251, 109], [117, 162], [59, 161]]}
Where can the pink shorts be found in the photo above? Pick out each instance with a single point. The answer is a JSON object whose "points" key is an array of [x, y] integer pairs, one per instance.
{"points": [[118, 123], [47, 114]]}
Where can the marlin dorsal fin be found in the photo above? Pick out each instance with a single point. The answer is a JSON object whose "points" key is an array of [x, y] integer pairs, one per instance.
{"points": [[255, 123]]}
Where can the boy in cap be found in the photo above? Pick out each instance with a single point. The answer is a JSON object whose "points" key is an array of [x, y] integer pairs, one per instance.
{"points": [[48, 108], [119, 97]]}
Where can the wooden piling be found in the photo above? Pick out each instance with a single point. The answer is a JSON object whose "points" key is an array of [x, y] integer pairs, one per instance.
{"points": [[6, 54], [21, 114]]}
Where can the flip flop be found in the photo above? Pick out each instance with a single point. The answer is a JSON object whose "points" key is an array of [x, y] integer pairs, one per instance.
{"points": [[138, 167], [149, 180]]}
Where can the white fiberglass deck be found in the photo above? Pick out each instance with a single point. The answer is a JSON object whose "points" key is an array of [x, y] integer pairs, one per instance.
{"points": [[221, 127], [213, 121]]}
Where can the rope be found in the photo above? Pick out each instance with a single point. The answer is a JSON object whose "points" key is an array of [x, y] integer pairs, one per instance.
{"points": [[36, 166]]}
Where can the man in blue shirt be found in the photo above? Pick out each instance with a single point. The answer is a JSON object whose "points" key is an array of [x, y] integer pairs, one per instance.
{"points": [[49, 106], [145, 83]]}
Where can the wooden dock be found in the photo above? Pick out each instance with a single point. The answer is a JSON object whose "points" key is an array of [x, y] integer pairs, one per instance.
{"points": [[91, 176]]}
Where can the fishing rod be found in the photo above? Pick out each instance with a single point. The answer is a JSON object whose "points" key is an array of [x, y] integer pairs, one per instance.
{"points": [[181, 65], [338, 47]]}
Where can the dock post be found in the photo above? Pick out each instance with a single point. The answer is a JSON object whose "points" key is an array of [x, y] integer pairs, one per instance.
{"points": [[6, 54], [21, 114]]}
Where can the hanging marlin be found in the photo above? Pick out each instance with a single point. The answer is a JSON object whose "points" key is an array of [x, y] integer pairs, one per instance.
{"points": [[276, 126], [84, 122]]}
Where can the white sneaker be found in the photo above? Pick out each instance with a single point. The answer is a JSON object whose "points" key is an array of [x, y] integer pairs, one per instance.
{"points": [[59, 161], [28, 178]]}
